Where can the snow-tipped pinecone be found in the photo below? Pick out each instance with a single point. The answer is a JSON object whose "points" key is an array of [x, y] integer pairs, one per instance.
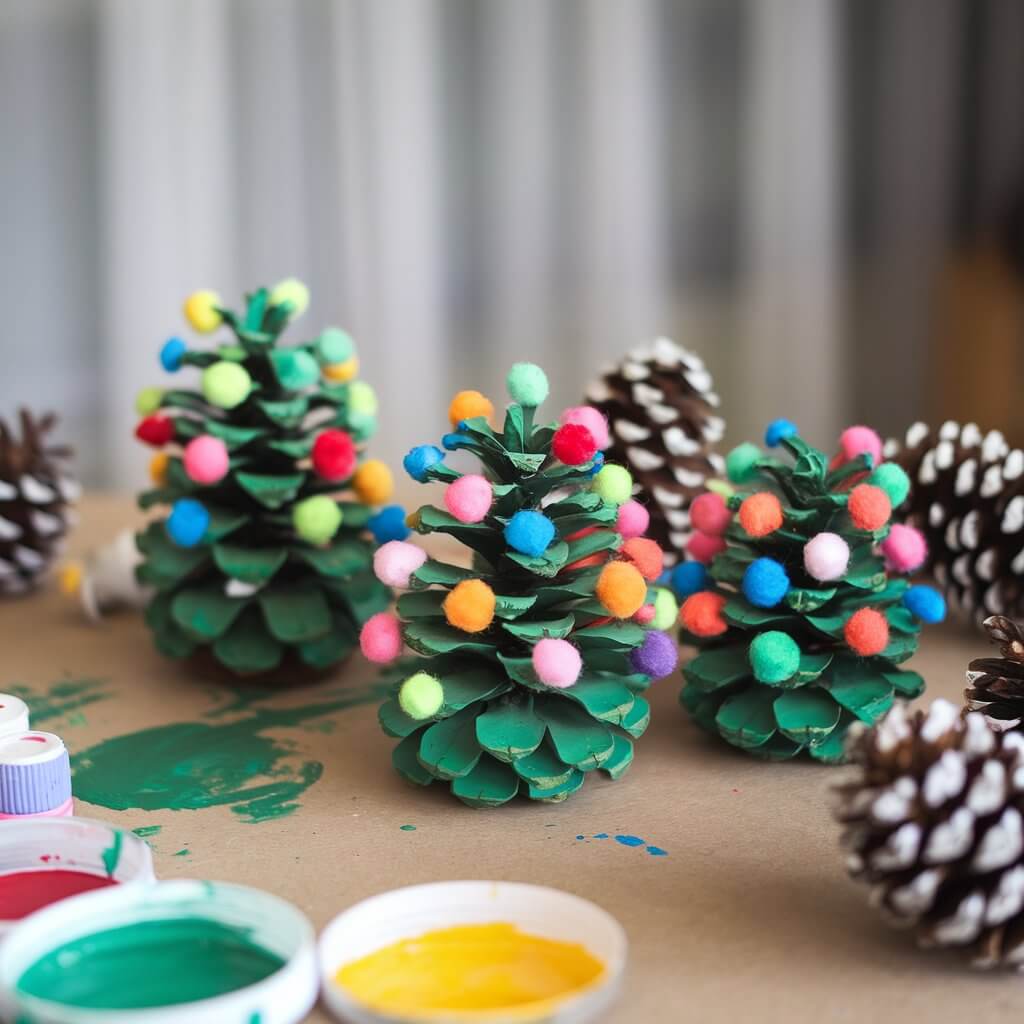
{"points": [[35, 492], [661, 410], [967, 496], [995, 686], [932, 822]]}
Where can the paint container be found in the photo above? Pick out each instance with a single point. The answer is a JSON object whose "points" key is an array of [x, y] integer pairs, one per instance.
{"points": [[201, 952], [536, 910], [35, 776], [13, 715]]}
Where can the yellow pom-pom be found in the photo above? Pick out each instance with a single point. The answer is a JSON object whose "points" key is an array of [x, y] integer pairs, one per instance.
{"points": [[373, 482], [148, 400], [470, 606], [342, 373], [292, 291], [621, 589], [158, 468], [468, 404], [70, 580], [201, 311]]}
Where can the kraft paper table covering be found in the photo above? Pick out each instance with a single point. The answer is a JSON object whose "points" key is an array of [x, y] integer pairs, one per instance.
{"points": [[749, 916]]}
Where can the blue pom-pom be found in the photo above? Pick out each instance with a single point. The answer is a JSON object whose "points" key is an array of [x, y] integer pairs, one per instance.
{"points": [[452, 442], [388, 524], [172, 354], [778, 431], [596, 463], [689, 578], [187, 523], [765, 583], [926, 603], [420, 459], [529, 532]]}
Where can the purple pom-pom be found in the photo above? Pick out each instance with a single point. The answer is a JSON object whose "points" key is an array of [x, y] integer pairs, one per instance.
{"points": [[656, 657]]}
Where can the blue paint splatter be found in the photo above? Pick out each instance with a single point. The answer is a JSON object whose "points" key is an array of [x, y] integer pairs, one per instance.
{"points": [[657, 851], [581, 837], [601, 835], [630, 840]]}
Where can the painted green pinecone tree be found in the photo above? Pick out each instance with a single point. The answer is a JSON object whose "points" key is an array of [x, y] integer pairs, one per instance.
{"points": [[265, 559], [529, 662], [801, 627]]}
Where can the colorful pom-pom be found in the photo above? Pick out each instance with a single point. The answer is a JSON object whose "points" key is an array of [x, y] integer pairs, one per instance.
{"points": [[341, 373], [688, 578], [866, 632], [172, 354], [201, 311], [556, 662], [295, 368], [421, 696], [703, 547], [892, 479], [362, 399], [905, 548], [597, 463], [701, 614], [854, 441], [621, 589], [741, 462], [710, 514], [529, 532], [187, 523], [380, 639], [334, 346], [666, 609], [468, 405], [226, 384], [373, 482], [148, 400], [774, 656], [632, 520], [869, 507], [334, 454], [589, 417], [158, 468], [292, 291], [826, 557], [926, 603], [420, 459], [395, 561], [646, 555], [388, 524], [469, 606], [316, 519], [527, 383], [156, 430], [765, 583], [573, 444], [206, 459], [644, 615], [613, 484], [656, 657], [469, 498], [761, 514], [779, 431]]}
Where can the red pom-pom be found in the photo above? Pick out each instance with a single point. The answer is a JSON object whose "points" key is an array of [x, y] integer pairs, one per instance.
{"points": [[761, 514], [573, 444], [710, 514], [702, 547], [334, 455], [701, 614], [869, 507], [156, 430], [646, 555], [866, 632]]}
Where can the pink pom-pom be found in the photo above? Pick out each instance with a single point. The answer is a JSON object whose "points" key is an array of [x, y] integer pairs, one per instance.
{"points": [[854, 441], [633, 520], [206, 459], [645, 615], [587, 416], [396, 561], [469, 498], [556, 662], [826, 557], [710, 514], [381, 638], [905, 548], [702, 547]]}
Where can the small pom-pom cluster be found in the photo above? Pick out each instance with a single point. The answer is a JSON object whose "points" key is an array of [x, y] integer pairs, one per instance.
{"points": [[573, 444], [589, 417], [388, 524], [905, 548], [866, 632], [702, 614], [774, 656], [156, 430], [646, 555], [395, 561], [467, 405], [765, 583], [172, 354], [469, 498], [421, 696], [892, 479], [826, 557], [334, 454], [702, 547], [614, 484], [689, 578], [187, 523], [761, 514], [373, 482], [632, 520], [316, 519], [925, 603], [380, 639], [527, 383], [206, 459], [869, 507], [856, 441], [656, 657], [556, 662], [741, 462], [778, 431], [226, 384], [420, 459], [469, 606], [710, 514], [529, 532], [621, 589]]}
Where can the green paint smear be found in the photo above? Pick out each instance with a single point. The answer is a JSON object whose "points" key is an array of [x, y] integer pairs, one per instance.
{"points": [[59, 700], [145, 831], [407, 828], [113, 854], [152, 963], [194, 765], [183, 853]]}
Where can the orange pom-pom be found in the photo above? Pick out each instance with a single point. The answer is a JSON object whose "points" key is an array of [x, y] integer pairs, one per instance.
{"points": [[646, 555], [467, 404], [869, 507], [867, 632], [761, 514], [470, 606], [701, 614], [621, 589]]}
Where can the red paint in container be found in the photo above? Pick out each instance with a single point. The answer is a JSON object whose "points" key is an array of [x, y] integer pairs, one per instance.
{"points": [[24, 892]]}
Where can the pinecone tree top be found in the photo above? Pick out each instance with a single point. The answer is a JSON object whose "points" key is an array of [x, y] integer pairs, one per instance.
{"points": [[932, 822], [995, 686], [529, 664]]}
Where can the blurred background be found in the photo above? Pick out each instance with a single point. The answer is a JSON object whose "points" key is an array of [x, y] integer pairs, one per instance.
{"points": [[825, 199]]}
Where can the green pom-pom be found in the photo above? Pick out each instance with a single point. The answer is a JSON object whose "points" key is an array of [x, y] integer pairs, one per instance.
{"points": [[893, 480], [335, 346], [226, 384], [741, 462], [721, 488], [527, 383], [234, 353], [666, 609], [774, 656], [316, 519], [362, 399], [295, 368], [614, 484], [292, 291], [148, 400], [421, 696]]}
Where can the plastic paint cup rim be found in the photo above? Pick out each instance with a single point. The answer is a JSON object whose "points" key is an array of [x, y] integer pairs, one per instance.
{"points": [[405, 913], [283, 997]]}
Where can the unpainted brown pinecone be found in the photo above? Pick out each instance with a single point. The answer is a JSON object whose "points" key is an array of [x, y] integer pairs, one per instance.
{"points": [[35, 491], [661, 411], [995, 686], [932, 822], [967, 496]]}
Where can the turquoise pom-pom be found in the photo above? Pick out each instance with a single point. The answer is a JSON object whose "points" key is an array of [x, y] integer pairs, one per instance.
{"points": [[172, 353], [778, 431], [597, 463], [527, 384], [188, 522], [688, 578], [529, 532], [741, 462], [420, 459], [893, 480], [774, 656], [765, 583], [388, 524], [335, 346], [295, 368], [925, 603]]}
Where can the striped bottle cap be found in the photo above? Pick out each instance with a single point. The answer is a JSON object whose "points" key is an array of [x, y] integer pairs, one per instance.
{"points": [[35, 773]]}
